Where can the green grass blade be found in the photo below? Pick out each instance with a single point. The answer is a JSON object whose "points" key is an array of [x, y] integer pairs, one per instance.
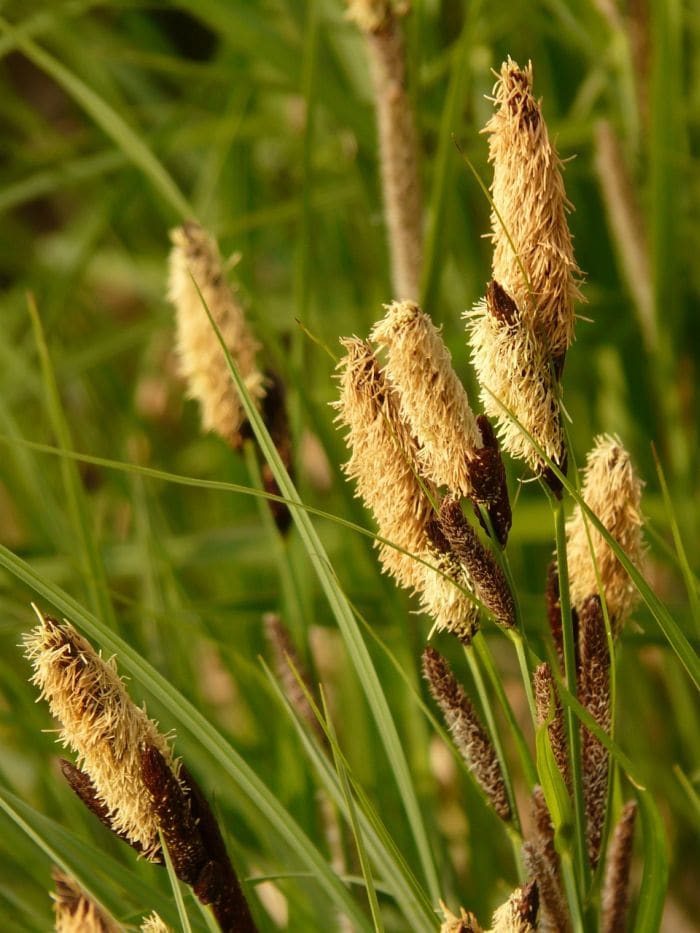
{"points": [[652, 890]]}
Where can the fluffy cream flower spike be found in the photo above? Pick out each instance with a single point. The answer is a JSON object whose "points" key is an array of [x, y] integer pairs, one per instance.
{"points": [[384, 464], [203, 364], [517, 915], [533, 255], [613, 491], [154, 924], [101, 724], [513, 368], [433, 400], [75, 912]]}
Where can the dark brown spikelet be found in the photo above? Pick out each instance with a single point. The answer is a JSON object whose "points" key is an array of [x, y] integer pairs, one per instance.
{"points": [[285, 658], [194, 842], [542, 862], [82, 787], [554, 615], [594, 694], [490, 584], [617, 872], [274, 412], [549, 708], [488, 476], [469, 735]]}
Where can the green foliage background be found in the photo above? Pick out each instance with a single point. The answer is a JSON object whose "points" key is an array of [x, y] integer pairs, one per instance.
{"points": [[123, 119]]}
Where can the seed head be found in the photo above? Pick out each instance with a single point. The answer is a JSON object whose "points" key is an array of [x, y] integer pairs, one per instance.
{"points": [[543, 865], [154, 924], [195, 256], [533, 255], [443, 597], [383, 462], [433, 400], [617, 871], [612, 490], [549, 710], [519, 913], [469, 735], [75, 912], [101, 724], [513, 367]]}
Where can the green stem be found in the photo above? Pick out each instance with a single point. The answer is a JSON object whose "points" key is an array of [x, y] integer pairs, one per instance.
{"points": [[518, 639], [572, 726]]}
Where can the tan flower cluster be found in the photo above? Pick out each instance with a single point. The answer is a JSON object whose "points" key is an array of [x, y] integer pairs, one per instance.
{"points": [[613, 491], [100, 723], [195, 258], [533, 256], [75, 912], [432, 400], [515, 375], [384, 464], [517, 915]]}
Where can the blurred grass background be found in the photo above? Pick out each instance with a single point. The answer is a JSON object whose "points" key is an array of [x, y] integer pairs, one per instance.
{"points": [[120, 120]]}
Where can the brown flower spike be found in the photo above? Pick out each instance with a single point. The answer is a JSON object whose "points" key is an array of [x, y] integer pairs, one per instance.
{"points": [[469, 735], [398, 143], [617, 871], [101, 724], [533, 257], [195, 258], [613, 492]]}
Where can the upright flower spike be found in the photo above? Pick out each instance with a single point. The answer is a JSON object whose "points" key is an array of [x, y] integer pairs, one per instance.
{"points": [[613, 491], [195, 258], [384, 464], [549, 710], [101, 724], [468, 733], [533, 257], [398, 143], [519, 913], [383, 461], [432, 399], [513, 368], [75, 912], [615, 897], [543, 865]]}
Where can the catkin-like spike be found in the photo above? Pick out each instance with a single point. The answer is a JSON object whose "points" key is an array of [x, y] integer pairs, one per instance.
{"points": [[488, 580], [469, 735], [548, 708], [443, 598], [288, 664], [489, 479], [154, 924], [398, 143], [513, 368], [533, 255], [594, 694], [75, 912], [195, 256], [542, 861], [519, 913], [617, 872], [433, 400], [100, 723], [383, 461], [613, 491]]}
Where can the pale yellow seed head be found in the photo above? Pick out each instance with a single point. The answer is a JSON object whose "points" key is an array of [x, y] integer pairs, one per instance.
{"points": [[383, 461], [432, 398], [513, 368], [613, 491], [531, 238], [100, 723], [154, 924], [519, 913], [443, 598], [75, 912], [203, 363]]}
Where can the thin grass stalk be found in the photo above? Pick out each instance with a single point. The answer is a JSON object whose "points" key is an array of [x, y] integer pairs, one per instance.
{"points": [[486, 658], [581, 863], [490, 719]]}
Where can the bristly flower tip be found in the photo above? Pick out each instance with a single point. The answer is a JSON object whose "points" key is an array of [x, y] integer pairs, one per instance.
{"points": [[101, 724], [197, 280], [533, 253], [612, 490]]}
